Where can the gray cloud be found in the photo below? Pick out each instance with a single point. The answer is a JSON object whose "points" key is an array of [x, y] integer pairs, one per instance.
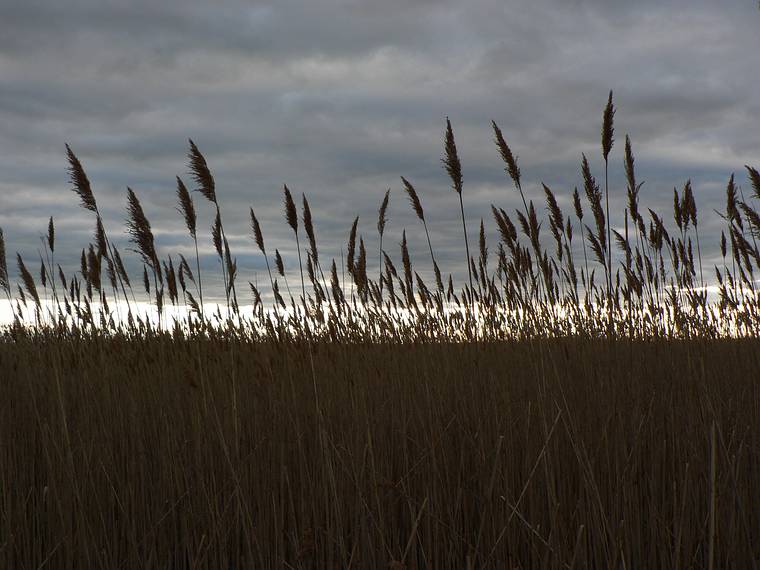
{"points": [[338, 98]]}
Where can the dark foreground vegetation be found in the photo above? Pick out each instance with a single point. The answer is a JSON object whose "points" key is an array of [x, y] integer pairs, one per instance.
{"points": [[165, 453], [580, 401]]}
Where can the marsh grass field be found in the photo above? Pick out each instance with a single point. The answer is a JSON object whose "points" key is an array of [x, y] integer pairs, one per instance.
{"points": [[580, 401], [209, 453]]}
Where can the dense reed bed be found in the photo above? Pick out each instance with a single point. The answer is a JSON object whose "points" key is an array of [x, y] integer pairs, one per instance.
{"points": [[534, 285], [579, 401], [211, 453]]}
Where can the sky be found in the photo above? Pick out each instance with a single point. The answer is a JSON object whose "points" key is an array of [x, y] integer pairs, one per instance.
{"points": [[339, 98]]}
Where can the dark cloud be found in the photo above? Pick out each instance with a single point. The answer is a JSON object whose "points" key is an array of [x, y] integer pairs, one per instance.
{"points": [[338, 98]]}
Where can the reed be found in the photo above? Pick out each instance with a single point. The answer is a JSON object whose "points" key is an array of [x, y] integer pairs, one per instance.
{"points": [[523, 418]]}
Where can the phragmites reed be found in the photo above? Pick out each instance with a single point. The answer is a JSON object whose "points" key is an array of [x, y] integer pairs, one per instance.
{"points": [[530, 272], [381, 221], [732, 213], [291, 217], [120, 267], [100, 237], [507, 234], [139, 230], [216, 235], [406, 262], [258, 237], [187, 209], [678, 212], [278, 263], [509, 159], [482, 244], [337, 292], [204, 179], [451, 159], [94, 268], [308, 224], [381, 216], [577, 204], [454, 168], [556, 219], [51, 235], [607, 140], [291, 214], [633, 187], [351, 248], [79, 181], [4, 283], [579, 213], [414, 200], [360, 271], [201, 173], [28, 280], [81, 186], [608, 130], [594, 196], [754, 178]]}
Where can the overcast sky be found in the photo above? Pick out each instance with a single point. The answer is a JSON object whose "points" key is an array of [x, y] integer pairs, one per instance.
{"points": [[338, 98]]}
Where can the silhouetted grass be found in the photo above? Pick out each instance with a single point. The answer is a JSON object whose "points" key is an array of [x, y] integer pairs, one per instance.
{"points": [[210, 452], [530, 418]]}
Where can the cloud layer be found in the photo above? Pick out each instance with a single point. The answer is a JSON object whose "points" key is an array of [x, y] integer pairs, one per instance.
{"points": [[338, 98]]}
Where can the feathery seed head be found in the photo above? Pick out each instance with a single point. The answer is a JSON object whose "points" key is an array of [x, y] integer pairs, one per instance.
{"points": [[51, 235], [506, 155], [201, 173], [351, 252], [291, 215], [451, 159], [139, 230], [257, 236], [278, 263], [79, 181], [607, 128], [186, 207], [381, 218], [309, 226], [4, 283], [414, 199]]}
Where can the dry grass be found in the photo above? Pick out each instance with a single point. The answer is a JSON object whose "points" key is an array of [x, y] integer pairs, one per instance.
{"points": [[531, 419], [215, 453]]}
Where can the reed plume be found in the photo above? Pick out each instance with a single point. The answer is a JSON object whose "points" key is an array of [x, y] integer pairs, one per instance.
{"points": [[454, 168], [291, 217], [139, 230], [207, 187], [351, 248], [258, 237], [291, 214], [28, 280], [141, 235], [509, 159], [607, 141], [186, 207], [414, 200], [754, 177], [81, 186], [51, 235], [4, 283], [201, 173], [79, 181], [381, 221], [308, 225]]}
